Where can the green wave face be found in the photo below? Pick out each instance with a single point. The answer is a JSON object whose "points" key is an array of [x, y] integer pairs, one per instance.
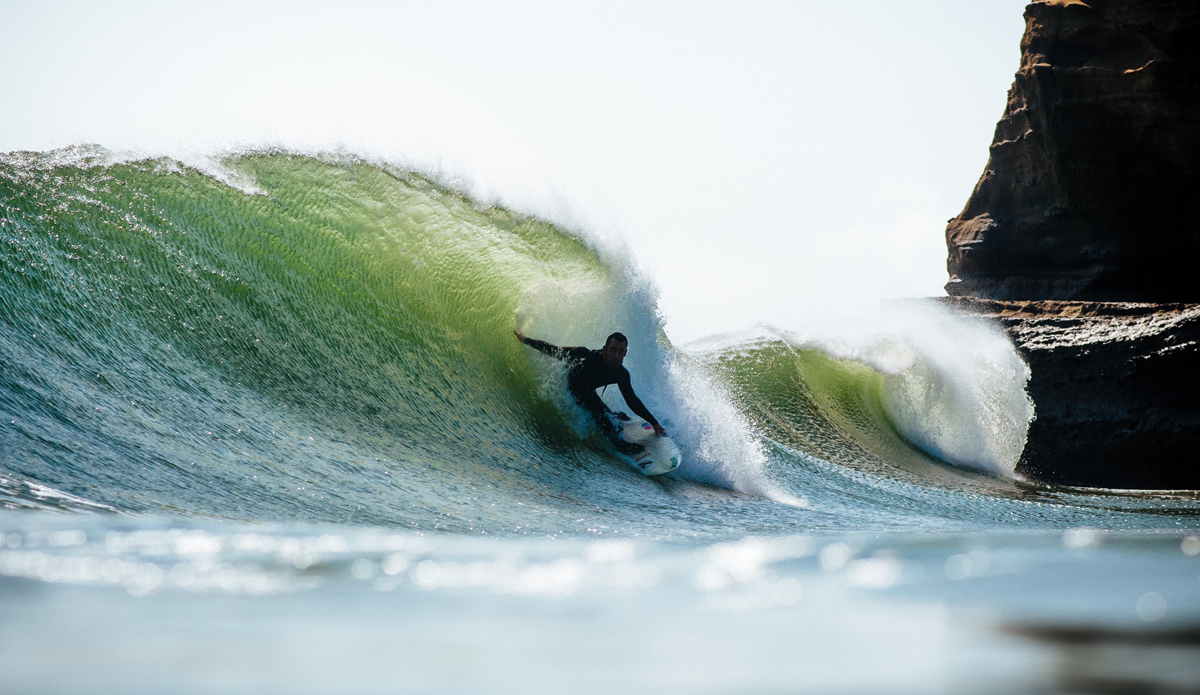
{"points": [[344, 316]]}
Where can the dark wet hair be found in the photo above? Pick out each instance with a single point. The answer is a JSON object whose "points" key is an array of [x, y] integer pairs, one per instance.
{"points": [[619, 337]]}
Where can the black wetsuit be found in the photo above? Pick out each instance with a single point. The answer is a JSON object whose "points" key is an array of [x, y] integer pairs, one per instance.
{"points": [[587, 372]]}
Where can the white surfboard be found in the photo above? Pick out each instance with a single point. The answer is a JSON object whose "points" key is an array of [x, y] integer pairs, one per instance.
{"points": [[661, 454]]}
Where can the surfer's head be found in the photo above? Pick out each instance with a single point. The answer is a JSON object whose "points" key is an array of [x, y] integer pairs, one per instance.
{"points": [[614, 350]]}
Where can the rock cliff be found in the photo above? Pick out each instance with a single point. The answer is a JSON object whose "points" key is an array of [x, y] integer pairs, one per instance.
{"points": [[1082, 238], [1092, 189]]}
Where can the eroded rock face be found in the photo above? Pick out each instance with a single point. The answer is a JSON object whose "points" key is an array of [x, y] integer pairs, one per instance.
{"points": [[1092, 190], [1116, 387]]}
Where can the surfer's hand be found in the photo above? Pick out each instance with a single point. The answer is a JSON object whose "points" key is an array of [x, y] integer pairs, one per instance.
{"points": [[658, 429], [519, 334]]}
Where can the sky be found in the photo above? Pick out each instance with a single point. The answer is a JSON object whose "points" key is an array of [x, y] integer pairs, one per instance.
{"points": [[762, 162]]}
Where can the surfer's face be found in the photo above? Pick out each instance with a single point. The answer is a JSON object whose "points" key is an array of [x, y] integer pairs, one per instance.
{"points": [[614, 353]]}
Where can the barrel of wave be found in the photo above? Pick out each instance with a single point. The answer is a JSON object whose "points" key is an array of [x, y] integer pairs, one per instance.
{"points": [[713, 437]]}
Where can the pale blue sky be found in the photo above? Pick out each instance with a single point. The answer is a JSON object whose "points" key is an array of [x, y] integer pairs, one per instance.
{"points": [[763, 161]]}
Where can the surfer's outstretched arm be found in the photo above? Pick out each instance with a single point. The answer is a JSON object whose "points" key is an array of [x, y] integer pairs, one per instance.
{"points": [[635, 404], [542, 346]]}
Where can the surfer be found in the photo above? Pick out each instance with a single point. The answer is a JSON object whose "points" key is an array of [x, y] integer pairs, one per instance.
{"points": [[587, 371]]}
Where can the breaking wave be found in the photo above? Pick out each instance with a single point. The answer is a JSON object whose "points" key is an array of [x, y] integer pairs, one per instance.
{"points": [[290, 337]]}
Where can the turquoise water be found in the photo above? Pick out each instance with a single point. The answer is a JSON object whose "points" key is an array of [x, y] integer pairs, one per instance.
{"points": [[265, 428]]}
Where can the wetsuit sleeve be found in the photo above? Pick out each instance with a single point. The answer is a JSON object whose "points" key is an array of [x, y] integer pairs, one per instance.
{"points": [[543, 346], [635, 404]]}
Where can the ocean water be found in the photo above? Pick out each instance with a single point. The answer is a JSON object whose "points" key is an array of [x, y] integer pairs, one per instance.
{"points": [[264, 427]]}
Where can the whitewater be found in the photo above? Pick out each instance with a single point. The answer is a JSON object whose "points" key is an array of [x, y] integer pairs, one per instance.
{"points": [[249, 405]]}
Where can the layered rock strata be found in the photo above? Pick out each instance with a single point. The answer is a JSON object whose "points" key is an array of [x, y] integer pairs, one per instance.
{"points": [[1116, 387], [1092, 189]]}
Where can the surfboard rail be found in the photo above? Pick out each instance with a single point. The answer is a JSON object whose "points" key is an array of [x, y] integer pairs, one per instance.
{"points": [[661, 454]]}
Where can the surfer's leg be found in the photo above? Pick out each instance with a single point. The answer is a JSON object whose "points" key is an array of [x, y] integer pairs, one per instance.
{"points": [[595, 407]]}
